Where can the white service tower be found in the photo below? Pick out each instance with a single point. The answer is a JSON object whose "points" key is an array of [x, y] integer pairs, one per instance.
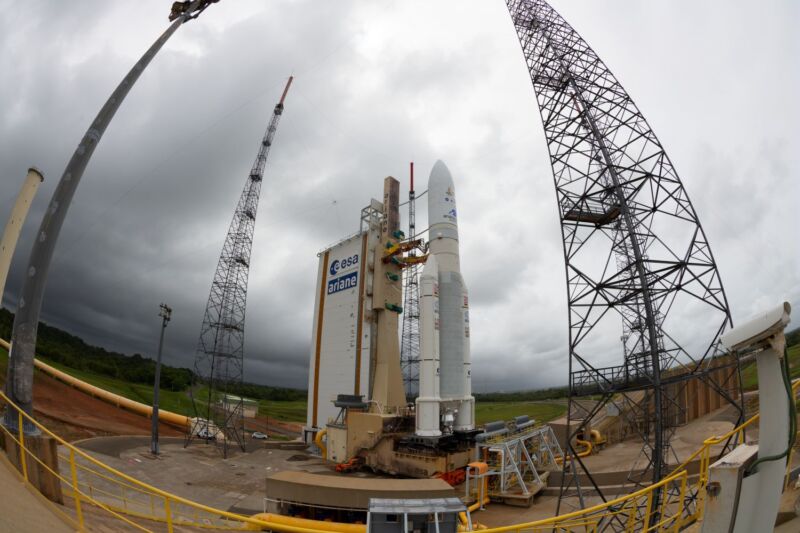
{"points": [[455, 384]]}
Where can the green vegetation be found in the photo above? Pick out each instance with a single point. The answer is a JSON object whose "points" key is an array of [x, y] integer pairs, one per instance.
{"points": [[285, 410], [175, 401], [126, 372], [750, 373], [540, 411], [553, 393], [132, 377], [57, 346]]}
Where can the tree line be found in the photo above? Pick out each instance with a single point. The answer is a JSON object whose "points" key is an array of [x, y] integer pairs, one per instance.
{"points": [[58, 346]]}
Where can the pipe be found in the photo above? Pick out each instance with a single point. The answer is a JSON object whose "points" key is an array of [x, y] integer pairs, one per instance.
{"points": [[586, 451], [316, 525], [462, 517], [318, 441], [596, 437], [168, 417], [482, 469], [19, 212]]}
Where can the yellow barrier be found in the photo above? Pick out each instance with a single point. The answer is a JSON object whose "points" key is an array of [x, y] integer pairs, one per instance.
{"points": [[91, 482], [135, 500], [635, 510], [174, 419]]}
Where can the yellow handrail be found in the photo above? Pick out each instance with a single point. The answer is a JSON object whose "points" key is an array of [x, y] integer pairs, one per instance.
{"points": [[628, 506], [168, 498]]}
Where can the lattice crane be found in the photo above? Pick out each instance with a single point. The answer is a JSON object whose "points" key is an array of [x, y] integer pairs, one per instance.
{"points": [[219, 359]]}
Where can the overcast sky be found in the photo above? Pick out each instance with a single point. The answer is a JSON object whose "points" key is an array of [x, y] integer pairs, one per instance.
{"points": [[378, 84]]}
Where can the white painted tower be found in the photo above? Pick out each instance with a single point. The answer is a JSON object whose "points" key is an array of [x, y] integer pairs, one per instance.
{"points": [[455, 382]]}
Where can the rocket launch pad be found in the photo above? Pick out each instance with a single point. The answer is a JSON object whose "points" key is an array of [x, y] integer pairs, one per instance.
{"points": [[356, 401]]}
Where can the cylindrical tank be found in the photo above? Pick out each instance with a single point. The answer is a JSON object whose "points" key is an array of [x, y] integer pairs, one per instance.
{"points": [[465, 420], [14, 225], [427, 404]]}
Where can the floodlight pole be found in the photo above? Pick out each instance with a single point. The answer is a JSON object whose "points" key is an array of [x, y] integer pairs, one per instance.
{"points": [[19, 382], [165, 313]]}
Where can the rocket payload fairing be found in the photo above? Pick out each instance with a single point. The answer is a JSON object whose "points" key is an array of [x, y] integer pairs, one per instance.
{"points": [[445, 375]]}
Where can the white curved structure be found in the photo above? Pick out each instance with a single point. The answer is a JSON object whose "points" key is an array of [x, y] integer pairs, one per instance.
{"points": [[14, 226], [455, 387]]}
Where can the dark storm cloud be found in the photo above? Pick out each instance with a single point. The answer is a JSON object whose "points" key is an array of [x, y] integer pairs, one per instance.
{"points": [[377, 84]]}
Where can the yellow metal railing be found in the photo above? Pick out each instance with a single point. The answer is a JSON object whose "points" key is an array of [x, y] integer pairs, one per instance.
{"points": [[130, 503], [682, 502], [139, 506]]}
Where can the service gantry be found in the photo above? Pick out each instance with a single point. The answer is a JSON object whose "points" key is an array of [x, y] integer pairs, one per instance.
{"points": [[634, 250], [409, 340]]}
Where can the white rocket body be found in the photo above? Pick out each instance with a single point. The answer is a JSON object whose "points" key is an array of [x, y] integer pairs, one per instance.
{"points": [[455, 384], [427, 424]]}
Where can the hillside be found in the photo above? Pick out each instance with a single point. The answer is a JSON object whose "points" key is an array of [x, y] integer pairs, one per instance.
{"points": [[72, 354], [132, 376]]}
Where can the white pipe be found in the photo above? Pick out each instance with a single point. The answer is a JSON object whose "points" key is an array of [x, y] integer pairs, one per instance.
{"points": [[14, 225]]}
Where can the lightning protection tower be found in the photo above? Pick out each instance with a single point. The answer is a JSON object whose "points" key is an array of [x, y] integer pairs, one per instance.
{"points": [[635, 253], [409, 341], [218, 367]]}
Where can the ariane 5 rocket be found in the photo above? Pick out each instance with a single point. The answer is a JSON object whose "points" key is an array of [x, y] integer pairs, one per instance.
{"points": [[445, 384]]}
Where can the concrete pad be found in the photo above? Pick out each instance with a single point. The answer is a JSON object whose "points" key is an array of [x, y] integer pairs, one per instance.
{"points": [[22, 509]]}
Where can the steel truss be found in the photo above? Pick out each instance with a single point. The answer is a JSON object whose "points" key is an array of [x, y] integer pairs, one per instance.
{"points": [[633, 248], [409, 340], [515, 461], [219, 359]]}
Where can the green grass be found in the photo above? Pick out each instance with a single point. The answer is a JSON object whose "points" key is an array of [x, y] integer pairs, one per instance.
{"points": [[540, 411], [177, 402], [750, 373], [288, 411], [295, 410]]}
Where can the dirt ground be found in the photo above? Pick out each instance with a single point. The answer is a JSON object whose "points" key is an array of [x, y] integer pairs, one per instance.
{"points": [[73, 415]]}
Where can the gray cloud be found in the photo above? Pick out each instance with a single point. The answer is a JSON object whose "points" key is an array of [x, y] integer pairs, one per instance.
{"points": [[377, 85]]}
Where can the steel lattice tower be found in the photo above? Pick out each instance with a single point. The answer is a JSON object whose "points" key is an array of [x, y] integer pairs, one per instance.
{"points": [[409, 340], [219, 359], [634, 250]]}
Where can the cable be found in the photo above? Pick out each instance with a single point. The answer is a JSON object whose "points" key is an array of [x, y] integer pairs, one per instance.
{"points": [[792, 416], [415, 198]]}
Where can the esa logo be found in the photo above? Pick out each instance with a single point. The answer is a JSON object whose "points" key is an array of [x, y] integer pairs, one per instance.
{"points": [[337, 265]]}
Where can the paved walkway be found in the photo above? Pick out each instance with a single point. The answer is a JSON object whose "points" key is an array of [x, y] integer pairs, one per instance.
{"points": [[21, 509]]}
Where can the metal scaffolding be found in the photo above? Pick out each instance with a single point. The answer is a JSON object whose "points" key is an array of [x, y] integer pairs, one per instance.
{"points": [[219, 359], [519, 463], [634, 251], [409, 340]]}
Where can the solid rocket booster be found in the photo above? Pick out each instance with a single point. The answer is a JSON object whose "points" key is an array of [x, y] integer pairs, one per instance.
{"points": [[428, 401], [455, 382]]}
